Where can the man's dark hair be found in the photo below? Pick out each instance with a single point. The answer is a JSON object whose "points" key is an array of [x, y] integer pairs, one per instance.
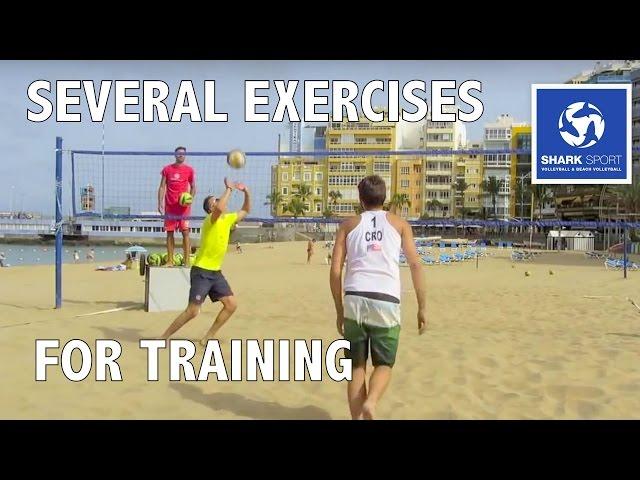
{"points": [[180, 148], [205, 204], [373, 191]]}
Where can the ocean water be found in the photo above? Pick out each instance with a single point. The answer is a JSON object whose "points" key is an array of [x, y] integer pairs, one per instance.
{"points": [[17, 254]]}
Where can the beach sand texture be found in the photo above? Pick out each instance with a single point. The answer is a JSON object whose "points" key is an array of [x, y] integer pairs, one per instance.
{"points": [[499, 344]]}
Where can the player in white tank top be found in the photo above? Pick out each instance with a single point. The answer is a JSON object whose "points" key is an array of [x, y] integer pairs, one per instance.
{"points": [[373, 263], [369, 314]]}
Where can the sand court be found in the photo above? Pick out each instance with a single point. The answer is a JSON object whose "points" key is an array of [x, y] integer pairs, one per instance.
{"points": [[498, 344]]}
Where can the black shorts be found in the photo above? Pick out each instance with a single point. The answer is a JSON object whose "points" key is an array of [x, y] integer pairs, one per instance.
{"points": [[208, 282]]}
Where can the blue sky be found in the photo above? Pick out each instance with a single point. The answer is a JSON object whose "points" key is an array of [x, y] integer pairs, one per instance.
{"points": [[28, 147]]}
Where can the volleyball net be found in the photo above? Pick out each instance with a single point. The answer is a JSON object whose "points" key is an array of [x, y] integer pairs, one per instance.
{"points": [[435, 189]]}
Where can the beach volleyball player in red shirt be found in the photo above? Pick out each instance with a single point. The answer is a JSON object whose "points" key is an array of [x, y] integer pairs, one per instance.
{"points": [[177, 179]]}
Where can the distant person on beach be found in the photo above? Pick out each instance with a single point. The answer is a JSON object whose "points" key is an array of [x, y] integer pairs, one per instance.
{"points": [[206, 273], [368, 315], [310, 245], [2, 259], [76, 256], [176, 178], [91, 255], [238, 248]]}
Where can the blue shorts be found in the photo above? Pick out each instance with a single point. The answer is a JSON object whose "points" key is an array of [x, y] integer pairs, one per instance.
{"points": [[208, 283]]}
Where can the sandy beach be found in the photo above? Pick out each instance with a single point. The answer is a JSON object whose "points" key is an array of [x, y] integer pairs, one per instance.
{"points": [[499, 345]]}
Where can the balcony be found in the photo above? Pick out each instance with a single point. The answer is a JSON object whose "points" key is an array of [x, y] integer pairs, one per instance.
{"points": [[502, 164], [439, 172]]}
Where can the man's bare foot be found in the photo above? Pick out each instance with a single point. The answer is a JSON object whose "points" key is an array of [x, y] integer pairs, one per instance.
{"points": [[368, 411]]}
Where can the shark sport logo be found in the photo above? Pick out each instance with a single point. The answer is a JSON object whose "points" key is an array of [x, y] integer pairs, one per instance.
{"points": [[581, 134], [581, 125]]}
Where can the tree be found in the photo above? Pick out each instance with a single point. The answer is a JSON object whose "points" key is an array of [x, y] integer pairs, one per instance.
{"points": [[433, 204], [334, 196], [398, 201], [492, 187], [629, 196], [327, 213], [295, 207], [541, 196], [304, 192], [461, 186], [274, 199]]}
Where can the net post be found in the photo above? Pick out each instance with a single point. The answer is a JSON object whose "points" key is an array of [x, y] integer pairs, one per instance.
{"points": [[73, 185], [624, 248], [58, 269]]}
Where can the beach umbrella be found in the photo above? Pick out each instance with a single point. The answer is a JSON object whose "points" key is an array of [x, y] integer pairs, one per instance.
{"points": [[136, 249]]}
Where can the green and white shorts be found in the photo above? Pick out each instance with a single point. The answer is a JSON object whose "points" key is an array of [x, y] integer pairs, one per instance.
{"points": [[371, 324]]}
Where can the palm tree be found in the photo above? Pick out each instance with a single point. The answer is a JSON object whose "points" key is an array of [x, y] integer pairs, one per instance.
{"points": [[334, 196], [398, 201], [492, 187], [461, 186], [304, 192], [629, 197], [274, 199], [433, 204], [327, 213], [295, 207], [541, 196]]}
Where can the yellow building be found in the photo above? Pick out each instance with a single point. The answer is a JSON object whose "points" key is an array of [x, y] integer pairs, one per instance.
{"points": [[344, 173], [292, 176], [469, 167], [520, 202], [409, 180], [439, 170]]}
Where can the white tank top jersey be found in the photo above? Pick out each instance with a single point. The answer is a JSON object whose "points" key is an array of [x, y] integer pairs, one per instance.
{"points": [[373, 256]]}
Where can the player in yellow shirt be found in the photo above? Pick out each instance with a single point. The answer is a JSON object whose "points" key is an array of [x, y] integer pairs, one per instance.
{"points": [[206, 274]]}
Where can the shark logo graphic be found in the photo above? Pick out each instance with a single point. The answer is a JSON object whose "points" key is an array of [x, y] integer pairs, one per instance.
{"points": [[581, 124], [590, 135], [567, 126], [586, 110]]}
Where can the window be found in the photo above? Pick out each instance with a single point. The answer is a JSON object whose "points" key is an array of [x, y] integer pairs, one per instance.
{"points": [[285, 190], [342, 208], [381, 167], [318, 207], [285, 176], [432, 124], [318, 176], [404, 170], [439, 137], [296, 176], [318, 191], [404, 183], [307, 176]]}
